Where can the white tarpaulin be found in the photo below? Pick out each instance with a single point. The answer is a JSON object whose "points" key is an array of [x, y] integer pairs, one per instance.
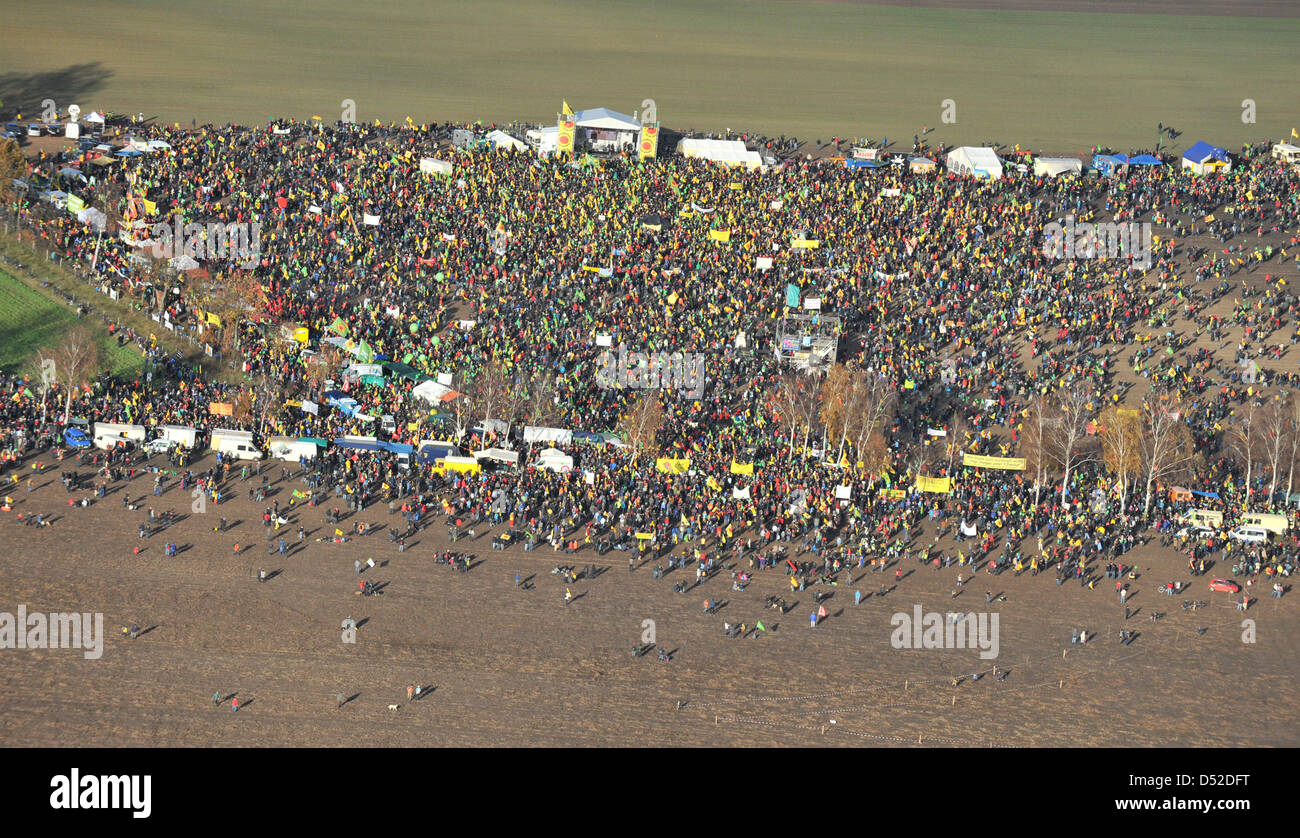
{"points": [[726, 152], [430, 391], [501, 139], [604, 340], [370, 220], [309, 406], [969, 530], [537, 433], [93, 219], [500, 455], [433, 166], [843, 492], [740, 494], [183, 263], [763, 263]]}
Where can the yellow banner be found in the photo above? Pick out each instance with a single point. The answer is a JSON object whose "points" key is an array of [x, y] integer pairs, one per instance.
{"points": [[302, 334], [645, 536], [720, 235], [713, 484], [741, 468], [568, 127], [667, 465], [806, 244], [150, 207], [942, 485], [649, 145], [982, 461]]}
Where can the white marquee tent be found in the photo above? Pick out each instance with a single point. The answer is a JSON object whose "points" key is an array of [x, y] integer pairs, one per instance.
{"points": [[727, 152]]}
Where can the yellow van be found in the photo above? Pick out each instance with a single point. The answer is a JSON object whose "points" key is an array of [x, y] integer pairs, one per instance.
{"points": [[461, 465]]}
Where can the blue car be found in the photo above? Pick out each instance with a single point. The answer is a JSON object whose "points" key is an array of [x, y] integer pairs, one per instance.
{"points": [[76, 438]]}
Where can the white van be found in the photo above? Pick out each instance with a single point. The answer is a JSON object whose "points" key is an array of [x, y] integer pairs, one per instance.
{"points": [[1250, 534], [237, 444], [109, 434], [291, 449]]}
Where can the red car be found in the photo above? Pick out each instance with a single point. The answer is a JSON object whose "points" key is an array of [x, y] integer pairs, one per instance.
{"points": [[1224, 586]]}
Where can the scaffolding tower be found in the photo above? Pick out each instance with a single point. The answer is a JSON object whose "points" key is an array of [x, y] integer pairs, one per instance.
{"points": [[808, 342]]}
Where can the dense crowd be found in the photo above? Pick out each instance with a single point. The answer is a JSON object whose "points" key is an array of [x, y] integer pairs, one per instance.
{"points": [[512, 265]]}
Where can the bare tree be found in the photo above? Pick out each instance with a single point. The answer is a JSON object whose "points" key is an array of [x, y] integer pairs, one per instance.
{"points": [[837, 399], [41, 372], [491, 388], [542, 396], [1245, 435], [1167, 449], [1035, 432], [1067, 441], [795, 406], [1275, 433], [1292, 446], [875, 399], [639, 428], [13, 165], [1120, 432], [78, 359]]}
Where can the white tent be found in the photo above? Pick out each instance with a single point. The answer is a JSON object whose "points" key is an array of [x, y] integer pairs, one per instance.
{"points": [[1053, 166], [430, 391], [553, 459], [975, 160], [727, 152], [95, 118], [501, 139]]}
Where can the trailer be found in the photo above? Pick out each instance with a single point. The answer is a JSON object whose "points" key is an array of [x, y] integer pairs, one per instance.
{"points": [[109, 435], [237, 444]]}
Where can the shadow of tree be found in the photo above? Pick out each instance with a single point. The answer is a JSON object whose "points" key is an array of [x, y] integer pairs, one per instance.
{"points": [[24, 92]]}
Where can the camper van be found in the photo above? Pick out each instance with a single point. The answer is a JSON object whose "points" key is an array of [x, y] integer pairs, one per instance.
{"points": [[237, 444], [109, 434], [1205, 518], [1274, 523]]}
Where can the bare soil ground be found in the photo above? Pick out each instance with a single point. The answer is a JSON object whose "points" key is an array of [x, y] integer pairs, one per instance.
{"points": [[517, 667]]}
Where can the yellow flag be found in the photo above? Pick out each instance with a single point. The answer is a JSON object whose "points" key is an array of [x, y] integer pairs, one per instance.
{"points": [[338, 531], [568, 111], [1294, 134], [741, 468]]}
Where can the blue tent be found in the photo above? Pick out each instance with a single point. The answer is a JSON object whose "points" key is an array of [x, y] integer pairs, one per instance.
{"points": [[1145, 160], [1203, 151], [864, 164]]}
